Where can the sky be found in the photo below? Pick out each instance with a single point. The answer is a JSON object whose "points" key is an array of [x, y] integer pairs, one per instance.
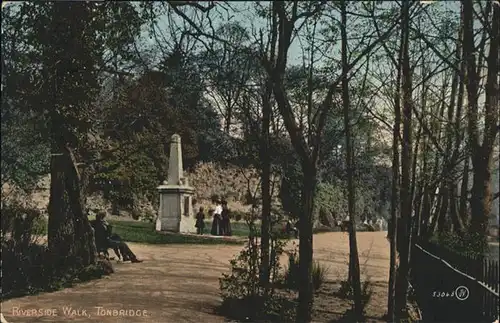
{"points": [[244, 14]]}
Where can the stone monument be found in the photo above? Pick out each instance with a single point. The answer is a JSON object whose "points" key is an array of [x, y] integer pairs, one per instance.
{"points": [[176, 208]]}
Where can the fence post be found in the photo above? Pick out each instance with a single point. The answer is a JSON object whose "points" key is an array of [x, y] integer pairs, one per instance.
{"points": [[496, 277]]}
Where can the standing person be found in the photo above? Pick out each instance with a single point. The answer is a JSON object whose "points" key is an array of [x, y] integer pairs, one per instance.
{"points": [[218, 216], [215, 223], [218, 208], [200, 221], [226, 221]]}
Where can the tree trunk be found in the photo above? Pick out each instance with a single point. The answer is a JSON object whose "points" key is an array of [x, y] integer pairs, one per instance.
{"points": [[414, 186], [481, 198], [70, 236], [455, 218], [61, 232], [393, 228], [443, 210], [304, 310], [434, 224], [464, 187], [406, 161], [354, 271], [265, 186], [418, 208], [426, 213], [454, 145], [481, 154]]}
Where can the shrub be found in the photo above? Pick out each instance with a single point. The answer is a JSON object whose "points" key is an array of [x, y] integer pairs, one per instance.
{"points": [[292, 273], [346, 291], [148, 216], [238, 215], [136, 214], [245, 296], [22, 223], [27, 266], [319, 273], [214, 198], [23, 269], [468, 243]]}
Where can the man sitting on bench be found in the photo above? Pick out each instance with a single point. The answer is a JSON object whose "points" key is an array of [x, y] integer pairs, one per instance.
{"points": [[105, 240]]}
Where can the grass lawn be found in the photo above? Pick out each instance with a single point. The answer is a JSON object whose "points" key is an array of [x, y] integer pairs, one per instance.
{"points": [[144, 232], [239, 229]]}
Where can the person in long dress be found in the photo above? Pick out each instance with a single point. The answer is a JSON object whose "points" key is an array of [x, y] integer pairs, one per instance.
{"points": [[226, 221], [215, 223], [218, 217]]}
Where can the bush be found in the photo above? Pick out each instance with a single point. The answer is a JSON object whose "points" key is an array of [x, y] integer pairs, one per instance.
{"points": [[292, 273], [319, 273], [238, 216], [24, 269], [214, 198], [245, 296], [347, 292], [22, 224], [26, 265], [136, 214], [148, 217], [471, 244]]}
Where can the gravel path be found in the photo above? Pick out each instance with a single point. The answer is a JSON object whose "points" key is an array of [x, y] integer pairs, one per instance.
{"points": [[178, 283]]}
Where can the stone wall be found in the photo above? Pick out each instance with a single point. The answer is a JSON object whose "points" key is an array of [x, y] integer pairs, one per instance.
{"points": [[208, 179]]}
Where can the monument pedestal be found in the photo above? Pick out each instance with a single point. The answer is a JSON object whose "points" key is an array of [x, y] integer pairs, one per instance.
{"points": [[176, 209]]}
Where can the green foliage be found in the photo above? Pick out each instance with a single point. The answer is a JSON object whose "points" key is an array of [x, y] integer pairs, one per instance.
{"points": [[24, 224], [148, 216], [214, 198], [293, 270], [319, 272], [27, 266], [330, 198], [244, 296], [25, 155], [468, 243], [291, 186], [346, 291], [140, 121]]}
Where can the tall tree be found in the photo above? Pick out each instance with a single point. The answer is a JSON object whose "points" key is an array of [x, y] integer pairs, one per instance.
{"points": [[67, 45], [482, 153], [404, 227], [395, 214], [354, 273]]}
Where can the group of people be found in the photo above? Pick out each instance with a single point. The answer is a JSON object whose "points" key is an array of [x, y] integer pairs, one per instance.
{"points": [[105, 239], [221, 224]]}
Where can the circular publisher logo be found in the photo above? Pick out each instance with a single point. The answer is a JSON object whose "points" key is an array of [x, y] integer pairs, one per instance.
{"points": [[462, 293]]}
